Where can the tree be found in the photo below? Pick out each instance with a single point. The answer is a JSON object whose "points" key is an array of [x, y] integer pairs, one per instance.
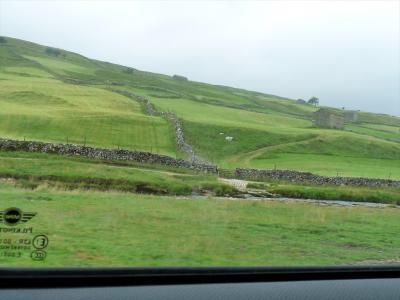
{"points": [[313, 101], [128, 70], [53, 51], [180, 78], [2, 40]]}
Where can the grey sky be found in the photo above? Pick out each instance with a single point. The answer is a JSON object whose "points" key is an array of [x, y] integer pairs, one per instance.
{"points": [[347, 53]]}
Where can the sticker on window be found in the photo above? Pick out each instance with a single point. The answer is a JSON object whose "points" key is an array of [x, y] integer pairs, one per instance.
{"points": [[18, 239]]}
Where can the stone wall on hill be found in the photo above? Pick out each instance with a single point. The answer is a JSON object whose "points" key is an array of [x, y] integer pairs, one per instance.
{"points": [[147, 157], [108, 154], [306, 177], [172, 117]]}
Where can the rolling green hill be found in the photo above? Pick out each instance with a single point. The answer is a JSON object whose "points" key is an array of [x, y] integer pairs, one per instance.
{"points": [[54, 95]]}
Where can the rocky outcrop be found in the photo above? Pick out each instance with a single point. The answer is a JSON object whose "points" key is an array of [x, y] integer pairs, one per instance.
{"points": [[108, 154], [306, 177]]}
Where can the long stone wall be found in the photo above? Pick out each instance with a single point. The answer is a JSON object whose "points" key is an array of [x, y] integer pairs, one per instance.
{"points": [[179, 133], [306, 177], [180, 137], [147, 157], [108, 154]]}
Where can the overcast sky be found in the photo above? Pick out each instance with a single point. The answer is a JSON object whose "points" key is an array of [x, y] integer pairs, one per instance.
{"points": [[347, 53]]}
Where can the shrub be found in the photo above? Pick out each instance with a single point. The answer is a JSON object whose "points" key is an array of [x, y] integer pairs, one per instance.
{"points": [[179, 77], [128, 70], [53, 51]]}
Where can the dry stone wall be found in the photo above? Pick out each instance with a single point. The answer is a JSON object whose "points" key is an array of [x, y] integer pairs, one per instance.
{"points": [[147, 157], [179, 133], [108, 154], [295, 176]]}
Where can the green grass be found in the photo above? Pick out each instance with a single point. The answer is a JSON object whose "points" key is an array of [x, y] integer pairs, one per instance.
{"points": [[117, 229], [59, 65], [195, 111], [393, 129], [346, 193], [381, 119], [331, 165], [333, 154], [269, 140], [212, 145], [34, 170], [390, 133], [39, 102], [49, 110]]}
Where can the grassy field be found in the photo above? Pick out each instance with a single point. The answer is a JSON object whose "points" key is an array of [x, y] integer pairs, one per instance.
{"points": [[49, 110], [35, 170], [67, 97], [390, 133], [117, 229], [388, 195], [120, 213], [330, 165]]}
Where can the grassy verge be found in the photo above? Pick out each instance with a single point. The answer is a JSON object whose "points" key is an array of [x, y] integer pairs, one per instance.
{"points": [[122, 229], [34, 170], [94, 161], [347, 193]]}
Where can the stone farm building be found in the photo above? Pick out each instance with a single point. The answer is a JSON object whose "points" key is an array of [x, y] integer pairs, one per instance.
{"points": [[350, 116], [328, 118]]}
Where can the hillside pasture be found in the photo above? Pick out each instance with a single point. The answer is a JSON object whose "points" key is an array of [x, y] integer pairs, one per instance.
{"points": [[391, 133], [38, 102], [49, 110]]}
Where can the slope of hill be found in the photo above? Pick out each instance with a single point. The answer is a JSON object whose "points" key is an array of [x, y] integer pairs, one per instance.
{"points": [[50, 94]]}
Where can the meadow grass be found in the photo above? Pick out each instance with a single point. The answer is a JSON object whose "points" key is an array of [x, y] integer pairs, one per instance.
{"points": [[35, 170], [59, 65], [36, 103], [380, 131], [89, 223], [118, 229], [332, 165], [195, 111], [48, 110], [389, 195], [210, 140]]}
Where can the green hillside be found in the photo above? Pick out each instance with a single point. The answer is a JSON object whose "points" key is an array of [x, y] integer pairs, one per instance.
{"points": [[49, 94]]}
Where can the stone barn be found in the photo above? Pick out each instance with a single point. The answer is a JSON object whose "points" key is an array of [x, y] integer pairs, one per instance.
{"points": [[350, 116], [327, 118]]}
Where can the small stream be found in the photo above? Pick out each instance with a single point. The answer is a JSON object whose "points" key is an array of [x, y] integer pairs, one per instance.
{"points": [[314, 201]]}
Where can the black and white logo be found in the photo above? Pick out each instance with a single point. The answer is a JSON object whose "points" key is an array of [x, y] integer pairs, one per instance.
{"points": [[12, 216]]}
